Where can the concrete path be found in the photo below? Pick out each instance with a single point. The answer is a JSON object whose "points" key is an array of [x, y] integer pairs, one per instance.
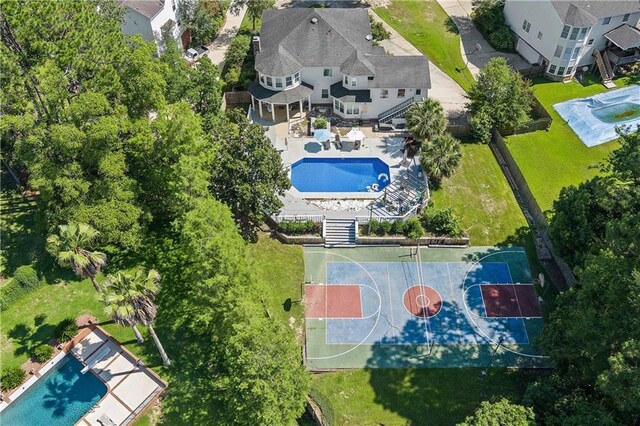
{"points": [[470, 38], [218, 48], [443, 88]]}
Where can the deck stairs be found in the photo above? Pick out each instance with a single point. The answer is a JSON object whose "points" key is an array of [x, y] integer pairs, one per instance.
{"points": [[605, 69], [339, 232], [397, 111]]}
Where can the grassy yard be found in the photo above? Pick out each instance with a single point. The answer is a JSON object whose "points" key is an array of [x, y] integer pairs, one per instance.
{"points": [[20, 241], [427, 26], [551, 160]]}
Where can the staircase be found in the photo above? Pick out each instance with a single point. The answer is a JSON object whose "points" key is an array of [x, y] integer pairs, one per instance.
{"points": [[399, 110], [339, 233], [604, 69]]}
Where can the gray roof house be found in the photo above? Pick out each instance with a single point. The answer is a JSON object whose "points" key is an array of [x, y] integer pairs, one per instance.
{"points": [[149, 17], [566, 36], [327, 56]]}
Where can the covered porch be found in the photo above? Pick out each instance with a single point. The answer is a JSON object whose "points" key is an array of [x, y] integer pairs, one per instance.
{"points": [[623, 46], [280, 105]]}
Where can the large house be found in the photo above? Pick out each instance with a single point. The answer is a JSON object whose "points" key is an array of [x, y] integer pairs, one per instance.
{"points": [[567, 36], [149, 17], [306, 57]]}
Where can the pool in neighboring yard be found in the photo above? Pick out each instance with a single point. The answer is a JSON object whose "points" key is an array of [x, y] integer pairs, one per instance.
{"points": [[340, 175], [594, 119], [61, 397]]}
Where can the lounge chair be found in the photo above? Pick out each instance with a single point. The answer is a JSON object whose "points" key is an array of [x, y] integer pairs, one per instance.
{"points": [[338, 142], [106, 421], [327, 145], [357, 145]]}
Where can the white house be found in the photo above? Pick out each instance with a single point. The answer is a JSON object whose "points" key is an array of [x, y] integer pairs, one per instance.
{"points": [[566, 36], [326, 56], [148, 17]]}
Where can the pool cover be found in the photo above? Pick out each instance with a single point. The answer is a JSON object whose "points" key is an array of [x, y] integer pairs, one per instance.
{"points": [[594, 119]]}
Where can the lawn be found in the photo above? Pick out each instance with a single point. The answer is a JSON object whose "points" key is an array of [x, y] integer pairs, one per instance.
{"points": [[427, 26], [21, 243], [551, 160], [413, 396]]}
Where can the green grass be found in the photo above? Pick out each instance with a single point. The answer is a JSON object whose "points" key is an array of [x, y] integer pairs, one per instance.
{"points": [[551, 160], [21, 242], [413, 396], [427, 26], [479, 193]]}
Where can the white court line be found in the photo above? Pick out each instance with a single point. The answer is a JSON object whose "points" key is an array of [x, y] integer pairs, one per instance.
{"points": [[453, 298], [421, 283], [393, 323]]}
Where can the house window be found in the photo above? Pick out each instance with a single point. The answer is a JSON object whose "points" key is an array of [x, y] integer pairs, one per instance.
{"points": [[575, 53], [297, 77], [278, 82], [346, 80], [325, 93], [565, 31], [356, 109], [289, 81], [401, 93], [569, 70], [583, 33], [558, 51], [567, 53], [539, 35], [336, 104], [561, 71], [526, 25], [625, 18], [328, 72], [262, 79], [341, 107], [269, 81], [552, 69], [384, 93], [590, 42], [173, 4], [354, 81], [349, 108], [418, 92], [606, 21], [574, 33]]}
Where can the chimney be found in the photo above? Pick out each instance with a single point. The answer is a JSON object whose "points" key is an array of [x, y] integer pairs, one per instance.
{"points": [[255, 42]]}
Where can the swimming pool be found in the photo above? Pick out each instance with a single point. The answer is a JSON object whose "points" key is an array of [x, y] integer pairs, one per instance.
{"points": [[60, 397], [340, 175], [595, 119]]}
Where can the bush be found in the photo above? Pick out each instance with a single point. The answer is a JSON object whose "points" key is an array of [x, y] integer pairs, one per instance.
{"points": [[378, 31], [385, 227], [234, 58], [27, 277], [300, 228], [489, 18], [443, 222], [414, 228], [320, 123], [66, 330], [481, 124], [398, 227], [12, 378], [24, 280], [42, 352]]}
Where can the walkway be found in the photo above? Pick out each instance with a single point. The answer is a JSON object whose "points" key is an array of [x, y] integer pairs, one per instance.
{"points": [[443, 88], [227, 33], [470, 38]]}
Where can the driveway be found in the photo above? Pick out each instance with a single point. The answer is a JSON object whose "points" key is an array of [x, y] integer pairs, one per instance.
{"points": [[227, 33], [471, 39]]}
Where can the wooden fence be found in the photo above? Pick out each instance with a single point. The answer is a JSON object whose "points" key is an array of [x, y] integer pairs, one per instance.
{"points": [[541, 121], [232, 100]]}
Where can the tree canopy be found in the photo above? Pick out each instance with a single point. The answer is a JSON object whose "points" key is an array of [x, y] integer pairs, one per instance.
{"points": [[500, 413]]}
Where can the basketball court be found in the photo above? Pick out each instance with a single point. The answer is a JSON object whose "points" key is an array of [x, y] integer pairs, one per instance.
{"points": [[398, 307]]}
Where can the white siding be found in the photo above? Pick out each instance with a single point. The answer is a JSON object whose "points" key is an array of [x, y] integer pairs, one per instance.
{"points": [[314, 76], [167, 13], [136, 23], [527, 52], [597, 33], [149, 28], [543, 18]]}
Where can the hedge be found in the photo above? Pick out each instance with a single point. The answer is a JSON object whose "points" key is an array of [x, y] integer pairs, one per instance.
{"points": [[300, 228], [237, 54], [488, 17], [24, 280], [412, 228]]}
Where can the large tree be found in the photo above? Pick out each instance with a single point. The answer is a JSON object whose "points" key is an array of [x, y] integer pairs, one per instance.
{"points": [[426, 120], [441, 157], [72, 248], [501, 93], [203, 18], [247, 173], [500, 413], [254, 8]]}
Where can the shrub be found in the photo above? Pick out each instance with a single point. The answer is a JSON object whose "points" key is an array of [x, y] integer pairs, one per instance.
{"points": [[24, 280], [66, 330], [489, 18], [42, 352], [27, 277], [12, 378], [373, 227], [299, 228], [320, 123], [443, 222], [378, 31], [481, 126], [385, 227], [234, 58], [413, 228], [398, 227]]}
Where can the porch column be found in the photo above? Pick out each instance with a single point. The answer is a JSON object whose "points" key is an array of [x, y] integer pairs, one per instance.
{"points": [[273, 112], [260, 107], [286, 107], [300, 102], [253, 103], [309, 103]]}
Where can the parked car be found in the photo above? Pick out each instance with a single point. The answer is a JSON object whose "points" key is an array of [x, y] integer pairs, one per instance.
{"points": [[195, 53]]}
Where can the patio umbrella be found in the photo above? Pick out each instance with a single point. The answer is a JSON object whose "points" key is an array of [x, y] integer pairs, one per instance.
{"points": [[322, 135], [355, 135]]}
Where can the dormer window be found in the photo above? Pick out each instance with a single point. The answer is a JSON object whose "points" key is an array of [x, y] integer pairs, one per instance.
{"points": [[262, 79], [278, 82], [328, 72], [269, 81], [297, 77], [289, 81]]}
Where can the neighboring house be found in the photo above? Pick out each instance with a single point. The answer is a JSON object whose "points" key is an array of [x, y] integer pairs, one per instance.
{"points": [[148, 17], [565, 36], [327, 57]]}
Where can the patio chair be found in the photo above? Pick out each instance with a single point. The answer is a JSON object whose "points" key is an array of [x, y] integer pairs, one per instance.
{"points": [[338, 142], [106, 421], [357, 145], [327, 145]]}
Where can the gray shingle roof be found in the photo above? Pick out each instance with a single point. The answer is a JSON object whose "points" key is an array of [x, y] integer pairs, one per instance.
{"points": [[337, 90], [625, 37], [306, 37], [585, 13], [148, 8], [296, 94]]}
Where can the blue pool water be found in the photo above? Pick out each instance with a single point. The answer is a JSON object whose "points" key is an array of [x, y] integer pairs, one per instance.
{"points": [[594, 119], [60, 397], [340, 175]]}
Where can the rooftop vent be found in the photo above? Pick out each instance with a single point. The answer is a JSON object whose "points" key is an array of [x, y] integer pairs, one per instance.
{"points": [[369, 37], [314, 20]]}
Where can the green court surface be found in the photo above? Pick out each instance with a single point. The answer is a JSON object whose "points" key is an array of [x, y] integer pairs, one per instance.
{"points": [[392, 307]]}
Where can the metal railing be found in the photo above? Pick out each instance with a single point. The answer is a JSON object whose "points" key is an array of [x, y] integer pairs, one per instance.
{"points": [[298, 218], [388, 113]]}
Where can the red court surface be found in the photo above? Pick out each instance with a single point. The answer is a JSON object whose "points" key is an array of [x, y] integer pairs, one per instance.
{"points": [[507, 300], [333, 301], [422, 301]]}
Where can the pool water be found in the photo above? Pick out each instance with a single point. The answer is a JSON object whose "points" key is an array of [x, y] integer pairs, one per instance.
{"points": [[595, 119], [340, 175], [61, 397]]}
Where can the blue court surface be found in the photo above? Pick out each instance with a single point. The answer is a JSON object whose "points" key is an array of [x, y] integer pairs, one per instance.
{"points": [[432, 307]]}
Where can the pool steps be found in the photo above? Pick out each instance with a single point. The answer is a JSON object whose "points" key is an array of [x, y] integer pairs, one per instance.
{"points": [[96, 360]]}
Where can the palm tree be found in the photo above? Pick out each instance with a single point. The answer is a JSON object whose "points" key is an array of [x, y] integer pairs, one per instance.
{"points": [[441, 157], [426, 120], [71, 250], [130, 300]]}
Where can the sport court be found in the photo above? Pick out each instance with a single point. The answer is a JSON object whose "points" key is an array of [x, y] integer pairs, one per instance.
{"points": [[399, 307]]}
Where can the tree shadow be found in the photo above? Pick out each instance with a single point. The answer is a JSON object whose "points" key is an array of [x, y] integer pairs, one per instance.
{"points": [[451, 26], [25, 337]]}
